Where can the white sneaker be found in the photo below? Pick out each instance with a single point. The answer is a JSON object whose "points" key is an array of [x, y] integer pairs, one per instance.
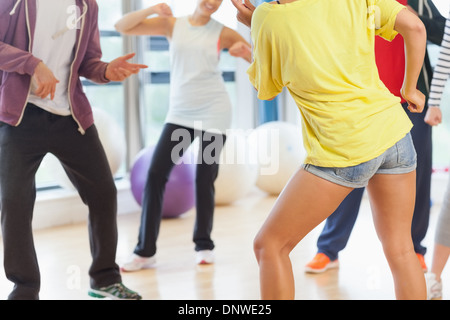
{"points": [[434, 287], [136, 262], [205, 257]]}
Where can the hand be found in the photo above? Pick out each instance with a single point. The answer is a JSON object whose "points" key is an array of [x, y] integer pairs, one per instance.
{"points": [[119, 69], [45, 81], [415, 100], [433, 116], [245, 11], [163, 10], [241, 49]]}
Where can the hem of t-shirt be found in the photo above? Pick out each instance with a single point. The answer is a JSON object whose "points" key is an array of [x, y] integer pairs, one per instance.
{"points": [[267, 96], [195, 124], [262, 94], [62, 111]]}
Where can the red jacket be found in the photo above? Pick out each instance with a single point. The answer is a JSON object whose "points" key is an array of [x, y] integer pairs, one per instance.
{"points": [[17, 64], [390, 59]]}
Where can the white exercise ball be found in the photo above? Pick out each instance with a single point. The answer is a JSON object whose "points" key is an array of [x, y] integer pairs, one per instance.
{"points": [[277, 147], [112, 137], [237, 174]]}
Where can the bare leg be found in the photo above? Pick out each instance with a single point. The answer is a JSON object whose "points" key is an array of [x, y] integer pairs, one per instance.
{"points": [[392, 200], [305, 202], [440, 257]]}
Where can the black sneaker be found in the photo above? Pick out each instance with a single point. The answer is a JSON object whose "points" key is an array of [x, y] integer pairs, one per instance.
{"points": [[115, 291]]}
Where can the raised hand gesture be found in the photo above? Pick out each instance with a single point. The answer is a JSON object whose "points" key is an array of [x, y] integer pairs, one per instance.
{"points": [[119, 69]]}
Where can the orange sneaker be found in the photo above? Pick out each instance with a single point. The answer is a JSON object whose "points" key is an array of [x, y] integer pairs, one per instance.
{"points": [[321, 263], [422, 262]]}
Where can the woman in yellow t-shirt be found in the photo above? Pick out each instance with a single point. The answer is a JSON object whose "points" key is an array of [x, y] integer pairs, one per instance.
{"points": [[355, 131]]}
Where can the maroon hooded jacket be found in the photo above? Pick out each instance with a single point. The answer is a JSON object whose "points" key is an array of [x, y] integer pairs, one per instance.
{"points": [[17, 64]]}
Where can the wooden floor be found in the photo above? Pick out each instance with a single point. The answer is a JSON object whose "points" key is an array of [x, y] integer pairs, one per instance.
{"points": [[64, 258]]}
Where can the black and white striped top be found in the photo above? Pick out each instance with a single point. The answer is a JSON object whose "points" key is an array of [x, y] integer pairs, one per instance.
{"points": [[442, 69]]}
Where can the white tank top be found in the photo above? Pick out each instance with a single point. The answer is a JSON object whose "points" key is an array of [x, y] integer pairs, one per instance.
{"points": [[198, 97]]}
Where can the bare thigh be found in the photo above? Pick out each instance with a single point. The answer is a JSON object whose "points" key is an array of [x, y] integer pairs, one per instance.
{"points": [[392, 198], [305, 202]]}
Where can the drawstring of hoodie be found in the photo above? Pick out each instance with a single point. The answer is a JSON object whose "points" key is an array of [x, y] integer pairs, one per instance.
{"points": [[13, 11]]}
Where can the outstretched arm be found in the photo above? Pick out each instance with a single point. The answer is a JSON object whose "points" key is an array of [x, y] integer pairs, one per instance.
{"points": [[241, 49], [236, 44], [138, 23], [119, 69], [415, 38]]}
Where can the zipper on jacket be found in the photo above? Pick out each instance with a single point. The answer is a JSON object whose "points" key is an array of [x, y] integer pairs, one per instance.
{"points": [[85, 9], [30, 46]]}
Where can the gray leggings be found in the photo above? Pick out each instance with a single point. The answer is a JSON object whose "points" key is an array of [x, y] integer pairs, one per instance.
{"points": [[443, 225]]}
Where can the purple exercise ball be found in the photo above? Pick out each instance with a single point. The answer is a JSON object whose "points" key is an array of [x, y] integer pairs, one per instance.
{"points": [[179, 195]]}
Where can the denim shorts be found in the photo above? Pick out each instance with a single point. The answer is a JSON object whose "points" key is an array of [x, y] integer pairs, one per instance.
{"points": [[399, 159]]}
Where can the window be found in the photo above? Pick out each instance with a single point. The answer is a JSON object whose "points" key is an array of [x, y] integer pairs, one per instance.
{"points": [[153, 84], [441, 133]]}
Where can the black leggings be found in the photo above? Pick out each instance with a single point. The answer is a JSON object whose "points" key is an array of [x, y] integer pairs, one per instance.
{"points": [[173, 142], [22, 149]]}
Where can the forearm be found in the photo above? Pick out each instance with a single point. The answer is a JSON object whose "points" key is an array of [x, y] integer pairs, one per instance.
{"points": [[94, 70], [92, 67], [132, 19], [13, 59], [415, 47], [236, 44], [415, 39], [248, 57]]}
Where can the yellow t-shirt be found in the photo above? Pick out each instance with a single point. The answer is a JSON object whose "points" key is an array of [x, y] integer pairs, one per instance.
{"points": [[322, 51]]}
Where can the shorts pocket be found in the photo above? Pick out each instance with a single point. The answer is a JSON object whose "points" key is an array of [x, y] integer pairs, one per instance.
{"points": [[406, 153], [359, 173]]}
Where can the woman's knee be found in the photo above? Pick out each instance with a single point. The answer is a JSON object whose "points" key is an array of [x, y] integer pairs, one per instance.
{"points": [[258, 246], [397, 249], [266, 246]]}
